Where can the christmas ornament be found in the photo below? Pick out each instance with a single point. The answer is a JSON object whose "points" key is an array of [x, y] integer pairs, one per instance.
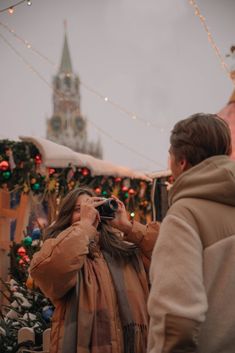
{"points": [[98, 191], [4, 165], [27, 241], [21, 251], [22, 262], [131, 192], [33, 181], [47, 313], [6, 175], [36, 234], [36, 186], [51, 171], [38, 159], [85, 171]]}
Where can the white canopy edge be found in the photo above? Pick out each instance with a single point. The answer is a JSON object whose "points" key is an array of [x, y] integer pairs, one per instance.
{"points": [[59, 156], [160, 174]]}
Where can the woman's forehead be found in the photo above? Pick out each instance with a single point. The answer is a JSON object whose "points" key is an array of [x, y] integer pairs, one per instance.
{"points": [[82, 198]]}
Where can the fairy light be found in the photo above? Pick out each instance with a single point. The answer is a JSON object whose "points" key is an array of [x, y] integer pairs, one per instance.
{"points": [[106, 99], [62, 96], [11, 8], [211, 40], [27, 44], [121, 109]]}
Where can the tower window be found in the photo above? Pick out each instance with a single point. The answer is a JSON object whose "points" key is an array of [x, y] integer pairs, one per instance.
{"points": [[67, 82]]}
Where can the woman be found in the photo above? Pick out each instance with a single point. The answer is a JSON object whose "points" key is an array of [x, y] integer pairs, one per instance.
{"points": [[96, 277]]}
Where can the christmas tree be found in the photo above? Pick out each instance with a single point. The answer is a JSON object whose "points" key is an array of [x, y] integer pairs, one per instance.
{"points": [[25, 305]]}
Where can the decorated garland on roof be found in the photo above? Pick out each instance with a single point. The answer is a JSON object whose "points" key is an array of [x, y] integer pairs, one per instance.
{"points": [[21, 171]]}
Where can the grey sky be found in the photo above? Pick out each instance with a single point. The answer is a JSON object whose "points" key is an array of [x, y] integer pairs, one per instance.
{"points": [[150, 56]]}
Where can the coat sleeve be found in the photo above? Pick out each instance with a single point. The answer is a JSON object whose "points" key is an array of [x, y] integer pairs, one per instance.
{"points": [[55, 265], [177, 303], [144, 236]]}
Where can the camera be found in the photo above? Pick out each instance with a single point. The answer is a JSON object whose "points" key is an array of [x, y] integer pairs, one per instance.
{"points": [[108, 208]]}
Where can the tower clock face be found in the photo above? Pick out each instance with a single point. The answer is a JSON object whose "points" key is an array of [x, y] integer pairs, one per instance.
{"points": [[56, 123], [79, 123]]}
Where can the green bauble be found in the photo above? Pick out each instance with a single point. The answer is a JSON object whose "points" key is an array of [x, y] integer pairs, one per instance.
{"points": [[36, 186], [27, 241], [6, 175]]}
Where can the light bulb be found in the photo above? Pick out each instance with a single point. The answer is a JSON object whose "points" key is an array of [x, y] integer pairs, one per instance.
{"points": [[29, 2], [11, 10]]}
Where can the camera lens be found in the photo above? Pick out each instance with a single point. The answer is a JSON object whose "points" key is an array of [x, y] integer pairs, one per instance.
{"points": [[113, 205], [108, 208]]}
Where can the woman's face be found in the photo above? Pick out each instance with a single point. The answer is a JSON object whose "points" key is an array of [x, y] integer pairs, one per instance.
{"points": [[76, 211]]}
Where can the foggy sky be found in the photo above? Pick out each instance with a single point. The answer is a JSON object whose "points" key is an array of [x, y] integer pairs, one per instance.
{"points": [[150, 56]]}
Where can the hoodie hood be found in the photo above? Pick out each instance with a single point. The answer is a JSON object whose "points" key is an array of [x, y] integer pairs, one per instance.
{"points": [[213, 179]]}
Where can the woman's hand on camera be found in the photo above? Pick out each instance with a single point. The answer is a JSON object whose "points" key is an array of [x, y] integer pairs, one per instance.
{"points": [[88, 211], [121, 220]]}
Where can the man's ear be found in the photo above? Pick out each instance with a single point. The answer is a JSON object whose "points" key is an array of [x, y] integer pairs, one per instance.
{"points": [[184, 165]]}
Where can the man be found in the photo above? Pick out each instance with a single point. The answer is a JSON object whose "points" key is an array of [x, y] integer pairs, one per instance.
{"points": [[192, 298]]}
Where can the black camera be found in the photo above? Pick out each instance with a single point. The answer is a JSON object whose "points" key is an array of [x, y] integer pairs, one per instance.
{"points": [[108, 208]]}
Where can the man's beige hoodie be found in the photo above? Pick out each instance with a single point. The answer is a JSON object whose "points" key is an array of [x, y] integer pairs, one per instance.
{"points": [[192, 299]]}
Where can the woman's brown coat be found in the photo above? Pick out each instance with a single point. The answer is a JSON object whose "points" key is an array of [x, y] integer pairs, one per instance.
{"points": [[54, 269]]}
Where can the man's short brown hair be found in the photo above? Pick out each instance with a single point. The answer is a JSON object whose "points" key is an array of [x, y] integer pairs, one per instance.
{"points": [[199, 137]]}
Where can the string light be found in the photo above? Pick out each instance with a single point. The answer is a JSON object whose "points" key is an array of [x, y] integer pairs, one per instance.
{"points": [[27, 44], [31, 68], [224, 66], [11, 8], [123, 110]]}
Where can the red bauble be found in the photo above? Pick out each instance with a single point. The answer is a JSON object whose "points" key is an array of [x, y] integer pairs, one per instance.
{"points": [[21, 262], [98, 191], [21, 251], [131, 192], [51, 171], [4, 165], [85, 172], [38, 159], [25, 258]]}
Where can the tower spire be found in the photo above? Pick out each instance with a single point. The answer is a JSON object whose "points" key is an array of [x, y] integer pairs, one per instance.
{"points": [[65, 64]]}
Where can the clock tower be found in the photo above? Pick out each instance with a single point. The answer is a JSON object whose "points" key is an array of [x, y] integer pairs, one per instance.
{"points": [[68, 126]]}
